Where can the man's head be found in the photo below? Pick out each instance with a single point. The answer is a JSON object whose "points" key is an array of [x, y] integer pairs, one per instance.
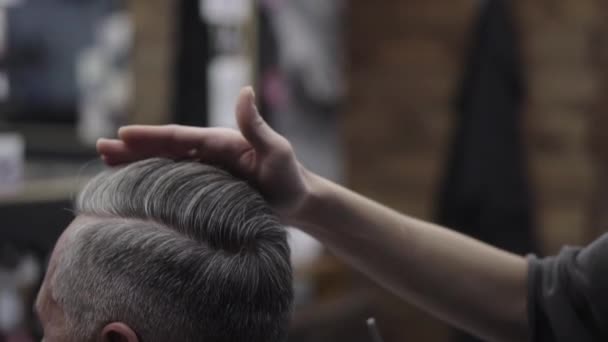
{"points": [[166, 251]]}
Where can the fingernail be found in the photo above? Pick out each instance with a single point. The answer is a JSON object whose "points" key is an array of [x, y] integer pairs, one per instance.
{"points": [[252, 102], [251, 92]]}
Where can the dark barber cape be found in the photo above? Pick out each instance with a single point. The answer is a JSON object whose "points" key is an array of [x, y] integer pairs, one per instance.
{"points": [[568, 295], [485, 191]]}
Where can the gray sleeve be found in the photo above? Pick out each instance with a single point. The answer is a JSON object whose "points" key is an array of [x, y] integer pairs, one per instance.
{"points": [[568, 295]]}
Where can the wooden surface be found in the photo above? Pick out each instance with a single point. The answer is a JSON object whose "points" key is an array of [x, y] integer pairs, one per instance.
{"points": [[153, 59]]}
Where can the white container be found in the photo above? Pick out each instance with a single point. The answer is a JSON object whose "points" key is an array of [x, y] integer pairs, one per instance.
{"points": [[12, 162], [226, 12], [226, 76]]}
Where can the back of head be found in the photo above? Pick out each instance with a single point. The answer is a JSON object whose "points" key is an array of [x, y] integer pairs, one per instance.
{"points": [[179, 251]]}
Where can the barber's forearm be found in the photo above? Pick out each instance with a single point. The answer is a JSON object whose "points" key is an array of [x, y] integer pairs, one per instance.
{"points": [[461, 280]]}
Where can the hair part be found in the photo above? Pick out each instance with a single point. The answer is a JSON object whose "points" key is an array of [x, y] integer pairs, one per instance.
{"points": [[179, 251]]}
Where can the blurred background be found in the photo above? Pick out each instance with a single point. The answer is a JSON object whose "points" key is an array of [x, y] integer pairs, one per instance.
{"points": [[485, 116]]}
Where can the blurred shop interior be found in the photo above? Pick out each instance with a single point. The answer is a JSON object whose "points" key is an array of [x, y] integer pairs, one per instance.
{"points": [[485, 116]]}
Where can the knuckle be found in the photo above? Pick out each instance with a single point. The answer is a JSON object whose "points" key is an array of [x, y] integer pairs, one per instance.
{"points": [[283, 149], [258, 122]]}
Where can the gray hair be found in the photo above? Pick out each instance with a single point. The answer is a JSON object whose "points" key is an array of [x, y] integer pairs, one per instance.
{"points": [[180, 251]]}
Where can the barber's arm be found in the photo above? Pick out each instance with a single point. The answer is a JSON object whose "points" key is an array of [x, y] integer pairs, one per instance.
{"points": [[461, 280]]}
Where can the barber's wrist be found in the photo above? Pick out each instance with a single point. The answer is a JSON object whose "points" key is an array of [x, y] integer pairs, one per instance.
{"points": [[307, 214]]}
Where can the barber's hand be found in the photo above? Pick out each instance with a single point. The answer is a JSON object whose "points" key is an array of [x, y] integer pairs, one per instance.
{"points": [[256, 152]]}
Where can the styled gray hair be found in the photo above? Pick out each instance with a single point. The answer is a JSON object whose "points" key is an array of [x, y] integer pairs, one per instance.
{"points": [[179, 251]]}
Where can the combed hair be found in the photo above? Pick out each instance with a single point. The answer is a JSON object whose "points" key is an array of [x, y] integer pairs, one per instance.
{"points": [[179, 251]]}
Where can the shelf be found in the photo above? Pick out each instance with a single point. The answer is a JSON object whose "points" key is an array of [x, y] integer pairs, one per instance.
{"points": [[44, 191], [50, 181]]}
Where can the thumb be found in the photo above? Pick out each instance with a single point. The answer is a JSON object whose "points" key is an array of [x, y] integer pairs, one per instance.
{"points": [[252, 125]]}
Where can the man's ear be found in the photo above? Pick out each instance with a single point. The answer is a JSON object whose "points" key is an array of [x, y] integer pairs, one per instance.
{"points": [[118, 332]]}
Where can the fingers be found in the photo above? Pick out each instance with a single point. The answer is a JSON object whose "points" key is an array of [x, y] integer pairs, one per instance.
{"points": [[252, 125], [114, 152], [169, 140], [211, 145]]}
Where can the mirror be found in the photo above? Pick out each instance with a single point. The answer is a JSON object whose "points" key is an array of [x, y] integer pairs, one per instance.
{"points": [[64, 73]]}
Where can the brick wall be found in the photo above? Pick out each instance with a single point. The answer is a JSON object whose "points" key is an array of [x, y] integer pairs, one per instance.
{"points": [[404, 59], [597, 220], [564, 85]]}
